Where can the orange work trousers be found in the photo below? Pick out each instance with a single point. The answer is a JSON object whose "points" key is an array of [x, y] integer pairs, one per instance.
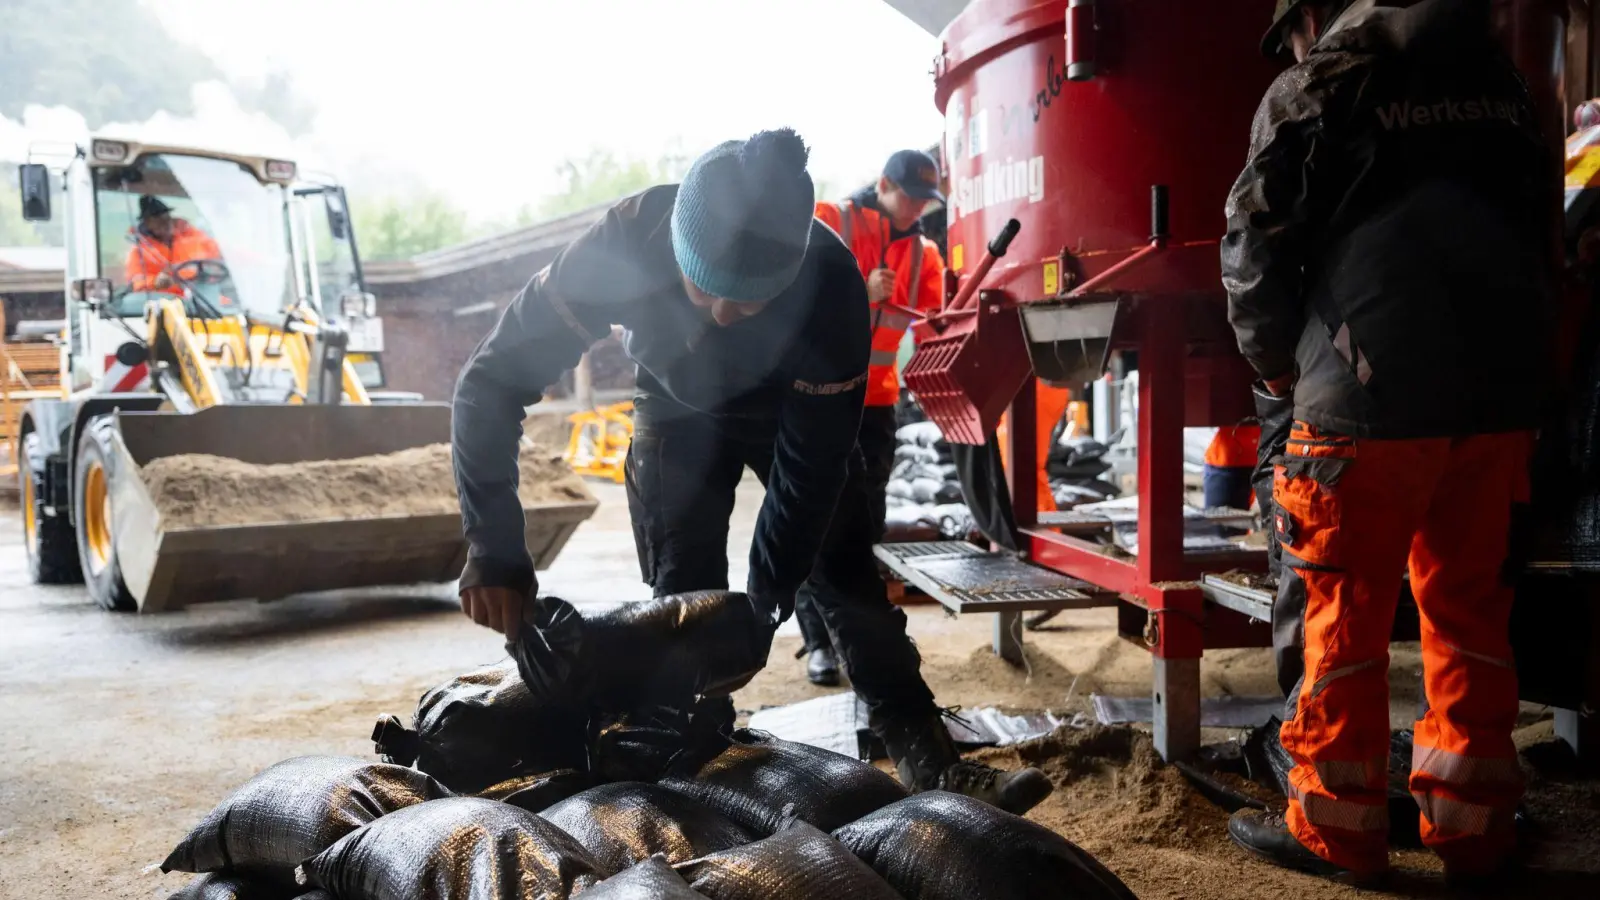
{"points": [[1351, 515], [1049, 406]]}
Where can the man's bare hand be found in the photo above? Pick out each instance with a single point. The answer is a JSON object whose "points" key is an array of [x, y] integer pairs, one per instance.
{"points": [[880, 285], [163, 280], [494, 607]]}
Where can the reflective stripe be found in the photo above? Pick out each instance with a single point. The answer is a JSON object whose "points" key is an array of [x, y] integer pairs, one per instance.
{"points": [[560, 306], [1457, 768], [846, 225], [1336, 674], [893, 321], [1327, 811], [1480, 657], [1338, 775], [883, 357], [916, 272], [1456, 816]]}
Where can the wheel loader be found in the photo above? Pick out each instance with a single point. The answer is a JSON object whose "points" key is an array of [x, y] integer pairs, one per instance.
{"points": [[249, 336]]}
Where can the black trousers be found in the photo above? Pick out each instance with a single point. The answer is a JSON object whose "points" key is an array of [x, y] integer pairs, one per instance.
{"points": [[681, 479], [877, 442]]}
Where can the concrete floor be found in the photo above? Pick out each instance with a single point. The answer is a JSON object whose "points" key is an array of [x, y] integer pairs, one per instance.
{"points": [[121, 731]]}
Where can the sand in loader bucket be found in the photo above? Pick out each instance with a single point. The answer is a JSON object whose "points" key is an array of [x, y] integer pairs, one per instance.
{"points": [[200, 491]]}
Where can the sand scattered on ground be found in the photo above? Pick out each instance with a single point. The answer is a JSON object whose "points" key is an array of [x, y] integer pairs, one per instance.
{"points": [[199, 490]]}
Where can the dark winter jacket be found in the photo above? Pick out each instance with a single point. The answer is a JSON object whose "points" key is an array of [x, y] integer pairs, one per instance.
{"points": [[1387, 237], [795, 373]]}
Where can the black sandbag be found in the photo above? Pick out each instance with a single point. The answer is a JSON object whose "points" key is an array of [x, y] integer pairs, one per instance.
{"points": [[943, 846], [628, 822], [296, 809], [798, 863], [652, 879], [644, 743], [227, 886], [759, 777], [484, 727], [462, 848], [535, 793], [668, 650]]}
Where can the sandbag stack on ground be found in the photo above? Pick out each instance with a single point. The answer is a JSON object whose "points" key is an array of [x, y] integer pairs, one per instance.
{"points": [[293, 810], [652, 879], [462, 848], [942, 846], [925, 502], [626, 823], [798, 861], [1076, 468]]}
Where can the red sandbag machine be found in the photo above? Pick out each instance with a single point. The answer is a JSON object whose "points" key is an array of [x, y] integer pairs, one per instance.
{"points": [[1090, 146]]}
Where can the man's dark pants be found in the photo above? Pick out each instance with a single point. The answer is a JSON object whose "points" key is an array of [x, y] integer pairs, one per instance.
{"points": [[681, 478], [877, 442]]}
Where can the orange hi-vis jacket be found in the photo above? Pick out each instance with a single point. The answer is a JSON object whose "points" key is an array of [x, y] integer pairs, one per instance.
{"points": [[149, 257], [919, 285]]}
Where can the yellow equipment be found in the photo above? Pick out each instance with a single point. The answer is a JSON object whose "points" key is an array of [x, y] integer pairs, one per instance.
{"points": [[600, 439], [256, 355]]}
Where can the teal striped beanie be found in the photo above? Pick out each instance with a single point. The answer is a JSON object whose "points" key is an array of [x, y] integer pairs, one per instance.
{"points": [[742, 217]]}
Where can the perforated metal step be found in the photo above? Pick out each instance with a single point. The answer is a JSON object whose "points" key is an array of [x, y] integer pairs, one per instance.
{"points": [[1249, 600], [968, 579], [1074, 521]]}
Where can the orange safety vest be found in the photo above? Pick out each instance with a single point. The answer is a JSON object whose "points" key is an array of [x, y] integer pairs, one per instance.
{"points": [[919, 285], [149, 257], [1234, 447]]}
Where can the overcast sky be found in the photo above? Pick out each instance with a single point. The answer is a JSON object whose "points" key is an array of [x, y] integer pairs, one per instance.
{"points": [[483, 97]]}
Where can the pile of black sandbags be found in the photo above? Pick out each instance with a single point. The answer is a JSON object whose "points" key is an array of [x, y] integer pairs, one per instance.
{"points": [[1077, 468], [601, 762], [925, 502]]}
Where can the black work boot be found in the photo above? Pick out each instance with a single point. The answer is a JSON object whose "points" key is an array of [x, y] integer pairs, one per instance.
{"points": [[927, 760], [822, 667], [1266, 834]]}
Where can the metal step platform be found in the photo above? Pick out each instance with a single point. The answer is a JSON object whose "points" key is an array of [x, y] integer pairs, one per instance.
{"points": [[1245, 600], [1086, 523], [968, 579]]}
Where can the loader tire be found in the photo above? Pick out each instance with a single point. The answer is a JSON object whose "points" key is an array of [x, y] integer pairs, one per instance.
{"points": [[92, 490], [51, 544]]}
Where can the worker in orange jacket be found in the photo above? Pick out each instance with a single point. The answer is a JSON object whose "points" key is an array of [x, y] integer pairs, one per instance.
{"points": [[1050, 404], [162, 242], [1230, 460], [1392, 222], [904, 273]]}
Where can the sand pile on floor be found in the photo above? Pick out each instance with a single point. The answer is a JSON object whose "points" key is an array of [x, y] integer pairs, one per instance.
{"points": [[198, 490]]}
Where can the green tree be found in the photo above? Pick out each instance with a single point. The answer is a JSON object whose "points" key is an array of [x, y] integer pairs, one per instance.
{"points": [[603, 176], [112, 60], [401, 226]]}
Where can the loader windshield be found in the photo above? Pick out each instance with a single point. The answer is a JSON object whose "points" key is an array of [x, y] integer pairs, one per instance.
{"points": [[160, 215]]}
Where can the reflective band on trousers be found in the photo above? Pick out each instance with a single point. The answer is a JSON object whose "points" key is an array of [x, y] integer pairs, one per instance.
{"points": [[1456, 816], [1338, 775], [1331, 813], [883, 357], [1456, 768]]}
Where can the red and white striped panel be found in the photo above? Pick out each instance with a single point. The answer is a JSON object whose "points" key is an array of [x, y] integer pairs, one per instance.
{"points": [[120, 379]]}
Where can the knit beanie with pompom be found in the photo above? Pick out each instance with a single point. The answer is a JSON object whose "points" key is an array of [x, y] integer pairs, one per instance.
{"points": [[742, 217]]}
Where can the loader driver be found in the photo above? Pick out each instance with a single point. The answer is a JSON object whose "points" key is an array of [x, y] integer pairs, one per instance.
{"points": [[748, 322], [162, 242], [882, 226], [1387, 266]]}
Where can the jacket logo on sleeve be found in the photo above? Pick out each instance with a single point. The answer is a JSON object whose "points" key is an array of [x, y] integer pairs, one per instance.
{"points": [[832, 387]]}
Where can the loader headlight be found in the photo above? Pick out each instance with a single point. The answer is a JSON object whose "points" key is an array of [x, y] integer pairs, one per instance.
{"points": [[108, 151], [280, 170]]}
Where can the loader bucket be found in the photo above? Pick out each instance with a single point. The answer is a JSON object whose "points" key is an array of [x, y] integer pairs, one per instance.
{"points": [[170, 567], [965, 376]]}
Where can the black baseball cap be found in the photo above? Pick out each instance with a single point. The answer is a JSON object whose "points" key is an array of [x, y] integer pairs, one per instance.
{"points": [[152, 206], [915, 173]]}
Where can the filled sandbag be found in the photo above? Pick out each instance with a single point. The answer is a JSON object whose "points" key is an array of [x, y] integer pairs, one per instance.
{"points": [[628, 822], [294, 810], [900, 487], [924, 434], [485, 727], [943, 846], [926, 490], [798, 863], [462, 848], [665, 651], [759, 781], [917, 453], [535, 793], [225, 886], [652, 879]]}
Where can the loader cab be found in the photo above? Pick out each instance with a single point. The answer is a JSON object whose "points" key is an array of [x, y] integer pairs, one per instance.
{"points": [[250, 238]]}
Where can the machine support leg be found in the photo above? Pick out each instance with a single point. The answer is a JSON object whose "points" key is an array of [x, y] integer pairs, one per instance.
{"points": [[1582, 734], [1176, 693], [1008, 637], [1024, 463]]}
